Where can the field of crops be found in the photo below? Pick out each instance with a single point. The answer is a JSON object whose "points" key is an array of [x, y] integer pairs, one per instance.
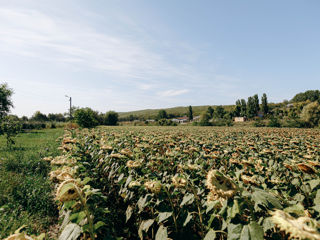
{"points": [[189, 183]]}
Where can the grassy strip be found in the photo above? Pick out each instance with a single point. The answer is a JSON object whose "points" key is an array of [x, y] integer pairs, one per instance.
{"points": [[25, 190]]}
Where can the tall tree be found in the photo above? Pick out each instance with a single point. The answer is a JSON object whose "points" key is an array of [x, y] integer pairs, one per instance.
{"points": [[251, 107], [237, 110], [220, 112], [210, 111], [5, 99], [243, 108], [256, 104], [264, 104], [190, 113]]}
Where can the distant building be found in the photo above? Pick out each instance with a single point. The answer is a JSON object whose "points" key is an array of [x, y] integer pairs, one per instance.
{"points": [[240, 119], [183, 119]]}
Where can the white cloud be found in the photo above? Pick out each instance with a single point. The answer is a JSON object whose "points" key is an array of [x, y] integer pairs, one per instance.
{"points": [[173, 93]]}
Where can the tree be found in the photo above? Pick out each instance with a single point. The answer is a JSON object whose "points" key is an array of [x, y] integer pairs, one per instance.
{"points": [[111, 118], [38, 116], [5, 99], [86, 117], [190, 113], [210, 111], [10, 127], [264, 104], [204, 119], [250, 107], [256, 104], [312, 95], [311, 114], [220, 112], [243, 108], [237, 109], [162, 114]]}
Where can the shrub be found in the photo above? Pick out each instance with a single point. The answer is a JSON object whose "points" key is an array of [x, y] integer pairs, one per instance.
{"points": [[274, 122], [111, 118], [86, 117], [259, 123], [166, 122], [10, 128]]}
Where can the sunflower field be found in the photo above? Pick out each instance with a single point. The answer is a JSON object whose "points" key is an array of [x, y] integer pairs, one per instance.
{"points": [[188, 183]]}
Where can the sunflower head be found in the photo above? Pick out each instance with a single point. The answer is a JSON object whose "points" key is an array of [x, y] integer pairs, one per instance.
{"points": [[133, 164], [179, 181], [153, 186], [221, 185], [301, 228], [67, 190]]}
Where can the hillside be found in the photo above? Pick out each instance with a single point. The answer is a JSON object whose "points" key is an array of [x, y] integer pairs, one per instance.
{"points": [[177, 111]]}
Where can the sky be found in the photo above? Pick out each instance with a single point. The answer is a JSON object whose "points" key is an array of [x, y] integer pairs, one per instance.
{"points": [[142, 54]]}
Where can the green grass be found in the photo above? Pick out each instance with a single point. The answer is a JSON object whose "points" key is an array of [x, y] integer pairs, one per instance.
{"points": [[25, 190]]}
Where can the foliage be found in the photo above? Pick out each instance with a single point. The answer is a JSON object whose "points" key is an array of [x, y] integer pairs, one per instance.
{"points": [[311, 95], [264, 104], [243, 112], [166, 122], [204, 119], [162, 114], [86, 117], [237, 110], [191, 183], [259, 123], [220, 112], [5, 99], [210, 111], [274, 122], [10, 127], [111, 118], [311, 114], [39, 117], [190, 113]]}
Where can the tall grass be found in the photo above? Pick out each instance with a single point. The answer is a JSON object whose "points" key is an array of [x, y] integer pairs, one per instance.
{"points": [[25, 190]]}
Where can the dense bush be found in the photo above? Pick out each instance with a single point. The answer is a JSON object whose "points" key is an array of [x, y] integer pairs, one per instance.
{"points": [[274, 122], [111, 118], [86, 117], [166, 122]]}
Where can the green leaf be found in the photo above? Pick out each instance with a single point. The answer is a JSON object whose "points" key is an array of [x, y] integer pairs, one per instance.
{"points": [[129, 213], [268, 224], [265, 199], [77, 217], [142, 202], [98, 225], [234, 210], [314, 183], [297, 209], [245, 234], [163, 216], [234, 231], [316, 200], [144, 226], [256, 231], [189, 217], [211, 235], [70, 232], [162, 233], [187, 199], [86, 180]]}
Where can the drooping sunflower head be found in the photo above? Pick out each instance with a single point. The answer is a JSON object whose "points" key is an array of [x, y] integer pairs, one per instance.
{"points": [[19, 236], [220, 184], [133, 164], [301, 228], [178, 181], [67, 190], [153, 186]]}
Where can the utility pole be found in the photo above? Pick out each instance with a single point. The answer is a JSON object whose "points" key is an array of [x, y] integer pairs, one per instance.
{"points": [[70, 100]]}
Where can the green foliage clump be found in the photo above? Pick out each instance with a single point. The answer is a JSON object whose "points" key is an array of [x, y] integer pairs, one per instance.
{"points": [[190, 113], [86, 117], [166, 122], [111, 118], [5, 99], [311, 95], [10, 127], [274, 122], [311, 114], [162, 114]]}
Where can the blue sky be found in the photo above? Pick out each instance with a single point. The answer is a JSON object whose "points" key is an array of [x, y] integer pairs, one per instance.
{"points": [[137, 54]]}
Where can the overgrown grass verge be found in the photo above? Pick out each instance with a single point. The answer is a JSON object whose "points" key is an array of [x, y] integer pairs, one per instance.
{"points": [[25, 190]]}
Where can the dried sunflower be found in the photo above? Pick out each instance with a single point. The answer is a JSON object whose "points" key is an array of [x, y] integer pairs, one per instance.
{"points": [[220, 185], [19, 236], [179, 181], [297, 228], [153, 186], [133, 164], [71, 194]]}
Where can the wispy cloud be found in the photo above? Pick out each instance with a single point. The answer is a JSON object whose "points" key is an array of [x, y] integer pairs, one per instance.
{"points": [[173, 93]]}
